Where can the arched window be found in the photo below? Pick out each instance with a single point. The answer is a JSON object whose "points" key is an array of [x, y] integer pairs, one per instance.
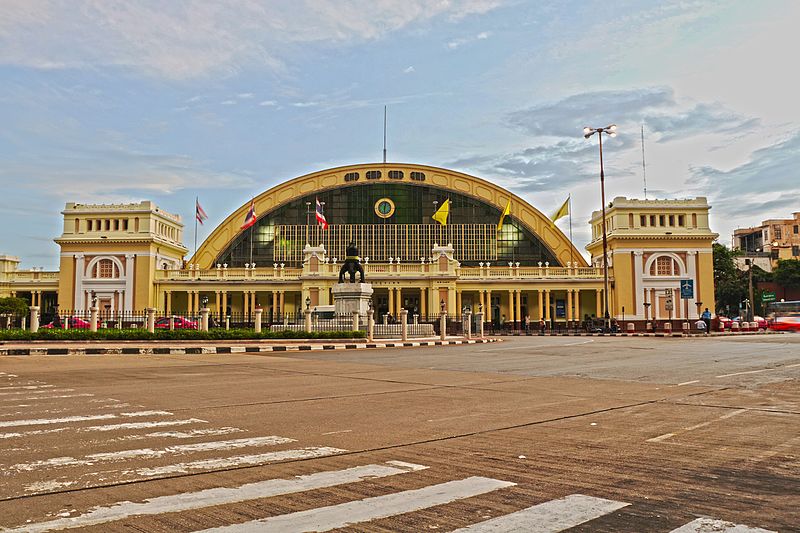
{"points": [[664, 266], [105, 268]]}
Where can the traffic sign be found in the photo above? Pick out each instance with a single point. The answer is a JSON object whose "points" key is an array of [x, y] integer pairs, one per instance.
{"points": [[687, 289], [768, 296]]}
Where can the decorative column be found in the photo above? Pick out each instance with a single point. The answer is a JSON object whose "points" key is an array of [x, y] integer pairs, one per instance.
{"points": [[468, 316], [423, 301], [518, 311], [459, 307], [404, 324], [245, 303], [189, 302], [399, 301], [691, 273], [217, 302], [370, 325], [569, 305], [204, 318], [281, 301], [599, 306], [541, 305], [130, 262], [150, 321], [259, 313], [547, 305], [168, 310], [225, 303], [275, 303], [391, 300], [80, 266], [638, 272], [511, 307], [488, 308], [35, 319], [578, 315]]}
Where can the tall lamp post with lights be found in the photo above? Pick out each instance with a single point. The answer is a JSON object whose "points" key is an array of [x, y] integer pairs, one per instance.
{"points": [[610, 130]]}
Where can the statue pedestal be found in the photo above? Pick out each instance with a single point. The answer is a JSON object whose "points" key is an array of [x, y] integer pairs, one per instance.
{"points": [[349, 297]]}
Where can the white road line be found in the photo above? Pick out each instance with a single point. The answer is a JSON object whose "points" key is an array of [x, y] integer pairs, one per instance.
{"points": [[147, 413], [238, 460], [28, 387], [792, 366], [337, 432], [42, 421], [549, 517], [108, 427], [666, 436], [578, 343], [35, 391], [346, 514], [38, 398], [688, 382], [747, 372], [703, 525], [149, 453], [221, 496], [29, 433]]}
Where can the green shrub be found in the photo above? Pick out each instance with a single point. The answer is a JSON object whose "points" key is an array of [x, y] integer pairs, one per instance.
{"points": [[169, 335]]}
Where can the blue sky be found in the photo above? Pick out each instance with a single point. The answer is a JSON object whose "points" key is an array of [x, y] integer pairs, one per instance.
{"points": [[124, 100]]}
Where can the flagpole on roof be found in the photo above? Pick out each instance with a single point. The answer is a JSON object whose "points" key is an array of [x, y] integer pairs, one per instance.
{"points": [[251, 233], [571, 245], [196, 202]]}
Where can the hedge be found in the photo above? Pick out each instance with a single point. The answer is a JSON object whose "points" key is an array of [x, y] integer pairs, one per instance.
{"points": [[169, 335]]}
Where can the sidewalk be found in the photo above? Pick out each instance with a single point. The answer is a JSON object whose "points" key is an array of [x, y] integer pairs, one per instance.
{"points": [[215, 346]]}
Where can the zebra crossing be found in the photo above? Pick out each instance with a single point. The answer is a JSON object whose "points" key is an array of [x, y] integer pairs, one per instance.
{"points": [[192, 445]]}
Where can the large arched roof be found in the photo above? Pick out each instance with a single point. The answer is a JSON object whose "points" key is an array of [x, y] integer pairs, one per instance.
{"points": [[442, 178]]}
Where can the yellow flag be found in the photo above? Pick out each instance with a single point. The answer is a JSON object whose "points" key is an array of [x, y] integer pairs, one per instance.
{"points": [[440, 215], [562, 211], [506, 212]]}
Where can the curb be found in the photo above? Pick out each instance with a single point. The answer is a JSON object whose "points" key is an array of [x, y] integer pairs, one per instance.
{"points": [[659, 334], [191, 350]]}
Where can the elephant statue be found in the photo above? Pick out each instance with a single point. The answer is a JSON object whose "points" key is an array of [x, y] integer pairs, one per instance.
{"points": [[351, 264]]}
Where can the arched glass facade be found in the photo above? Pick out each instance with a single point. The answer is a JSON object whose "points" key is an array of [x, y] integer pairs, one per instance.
{"points": [[414, 205]]}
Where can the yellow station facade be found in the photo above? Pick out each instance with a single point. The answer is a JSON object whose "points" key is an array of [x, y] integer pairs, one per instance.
{"points": [[131, 256]]}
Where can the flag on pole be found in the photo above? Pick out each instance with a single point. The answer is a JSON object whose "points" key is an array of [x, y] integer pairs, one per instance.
{"points": [[199, 213], [320, 216], [441, 214], [503, 215], [250, 219], [562, 211]]}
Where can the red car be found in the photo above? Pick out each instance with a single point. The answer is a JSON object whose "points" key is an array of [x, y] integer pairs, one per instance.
{"points": [[785, 323], [74, 323], [180, 323]]}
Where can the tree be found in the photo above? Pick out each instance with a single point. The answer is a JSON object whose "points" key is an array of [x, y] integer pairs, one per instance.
{"points": [[787, 273], [13, 306], [729, 287]]}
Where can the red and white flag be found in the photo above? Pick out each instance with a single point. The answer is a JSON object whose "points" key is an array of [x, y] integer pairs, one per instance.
{"points": [[250, 219], [320, 216], [199, 214]]}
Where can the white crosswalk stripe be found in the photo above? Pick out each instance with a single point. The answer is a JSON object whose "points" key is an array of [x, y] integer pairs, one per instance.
{"points": [[221, 496], [549, 517], [345, 514], [710, 525]]}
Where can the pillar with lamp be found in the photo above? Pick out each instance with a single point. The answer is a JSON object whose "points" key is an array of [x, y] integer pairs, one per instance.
{"points": [[610, 130]]}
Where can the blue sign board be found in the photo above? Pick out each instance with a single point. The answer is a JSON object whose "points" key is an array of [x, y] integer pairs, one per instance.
{"points": [[687, 289]]}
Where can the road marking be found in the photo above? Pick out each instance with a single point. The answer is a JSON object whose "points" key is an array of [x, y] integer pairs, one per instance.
{"points": [[36, 398], [42, 421], [666, 436], [577, 343], [144, 425], [743, 373], [238, 460], [793, 366], [346, 514], [549, 517], [28, 387], [222, 496], [337, 432], [35, 391], [149, 453], [702, 525], [688, 382]]}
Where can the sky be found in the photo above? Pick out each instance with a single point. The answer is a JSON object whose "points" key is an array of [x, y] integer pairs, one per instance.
{"points": [[108, 101]]}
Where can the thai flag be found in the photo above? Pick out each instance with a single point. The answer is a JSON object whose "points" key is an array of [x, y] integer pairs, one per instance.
{"points": [[250, 219], [320, 216], [199, 214]]}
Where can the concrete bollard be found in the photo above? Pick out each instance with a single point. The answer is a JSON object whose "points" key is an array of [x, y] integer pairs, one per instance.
{"points": [[355, 321], [720, 326], [370, 325], [307, 321], [204, 312], [151, 319], [257, 324], [172, 323], [443, 326], [34, 319], [479, 320], [648, 327], [93, 318], [404, 325], [667, 327], [734, 326], [686, 327], [227, 323], [469, 324], [631, 327], [386, 319]]}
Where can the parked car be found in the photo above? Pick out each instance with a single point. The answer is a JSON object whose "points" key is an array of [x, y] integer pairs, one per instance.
{"points": [[785, 323], [74, 323], [180, 323]]}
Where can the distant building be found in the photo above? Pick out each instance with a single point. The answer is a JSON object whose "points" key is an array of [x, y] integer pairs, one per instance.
{"points": [[774, 239]]}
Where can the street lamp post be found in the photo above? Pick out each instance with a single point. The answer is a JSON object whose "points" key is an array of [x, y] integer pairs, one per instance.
{"points": [[610, 130]]}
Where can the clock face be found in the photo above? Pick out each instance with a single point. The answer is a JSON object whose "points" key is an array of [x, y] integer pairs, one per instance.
{"points": [[384, 208]]}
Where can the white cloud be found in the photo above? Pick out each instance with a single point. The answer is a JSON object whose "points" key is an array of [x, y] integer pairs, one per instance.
{"points": [[245, 96], [305, 104], [228, 102], [408, 70], [268, 103], [458, 43], [185, 39]]}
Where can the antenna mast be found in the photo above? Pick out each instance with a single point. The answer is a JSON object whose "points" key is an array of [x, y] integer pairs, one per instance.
{"points": [[644, 168], [384, 134]]}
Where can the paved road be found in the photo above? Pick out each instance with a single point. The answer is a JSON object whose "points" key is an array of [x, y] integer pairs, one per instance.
{"points": [[601, 434]]}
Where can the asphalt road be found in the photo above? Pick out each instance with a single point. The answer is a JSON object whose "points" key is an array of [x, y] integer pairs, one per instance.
{"points": [[531, 434]]}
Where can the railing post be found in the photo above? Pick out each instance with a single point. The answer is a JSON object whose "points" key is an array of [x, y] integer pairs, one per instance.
{"points": [[151, 319], [370, 325], [443, 325], [259, 311], [172, 323], [479, 320], [307, 318], [468, 314], [204, 318], [404, 324], [93, 318], [355, 320], [34, 319]]}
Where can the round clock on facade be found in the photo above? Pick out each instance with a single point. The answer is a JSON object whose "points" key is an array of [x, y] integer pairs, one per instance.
{"points": [[384, 208]]}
